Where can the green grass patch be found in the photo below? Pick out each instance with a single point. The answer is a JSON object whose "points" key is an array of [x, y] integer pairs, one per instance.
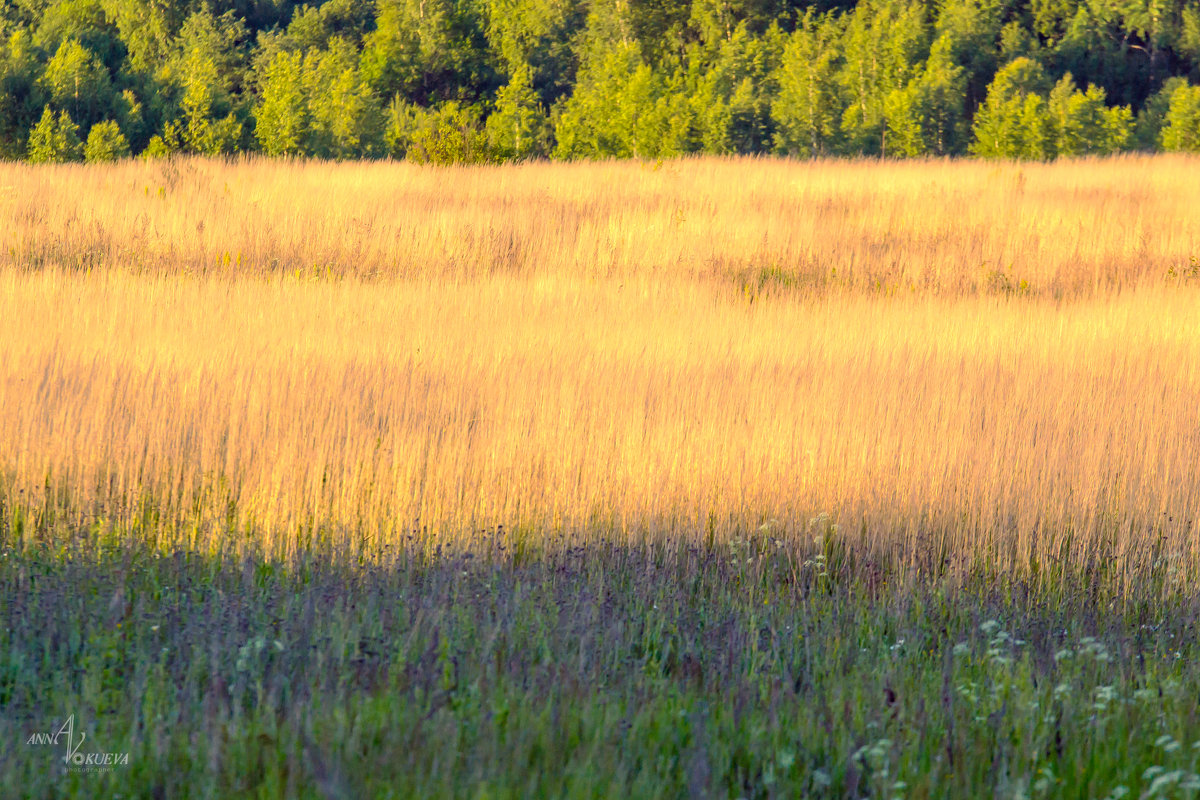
{"points": [[764, 669]]}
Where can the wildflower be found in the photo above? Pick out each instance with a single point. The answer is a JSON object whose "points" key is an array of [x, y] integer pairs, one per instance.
{"points": [[1163, 781], [998, 658], [1167, 742], [1047, 780]]}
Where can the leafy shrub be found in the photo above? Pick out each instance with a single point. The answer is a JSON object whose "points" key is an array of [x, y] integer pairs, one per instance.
{"points": [[448, 134], [54, 139], [105, 142]]}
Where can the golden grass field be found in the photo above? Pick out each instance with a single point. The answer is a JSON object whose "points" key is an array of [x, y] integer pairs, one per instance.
{"points": [[994, 360]]}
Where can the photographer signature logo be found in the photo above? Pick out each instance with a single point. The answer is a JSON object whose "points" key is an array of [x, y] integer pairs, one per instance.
{"points": [[72, 741]]}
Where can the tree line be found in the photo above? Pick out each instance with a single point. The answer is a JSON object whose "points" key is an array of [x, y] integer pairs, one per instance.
{"points": [[465, 81]]}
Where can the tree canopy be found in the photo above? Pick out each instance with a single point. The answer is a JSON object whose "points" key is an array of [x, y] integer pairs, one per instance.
{"points": [[452, 81]]}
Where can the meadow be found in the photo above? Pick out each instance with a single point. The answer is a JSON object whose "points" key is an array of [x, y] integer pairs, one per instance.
{"points": [[745, 478]]}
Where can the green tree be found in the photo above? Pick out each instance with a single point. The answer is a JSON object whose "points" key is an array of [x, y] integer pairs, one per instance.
{"points": [[926, 116], [1097, 47], [942, 86], [55, 139], [734, 83], [209, 64], [519, 128], [400, 123], [83, 21], [344, 118], [536, 35], [602, 78], [806, 109], [622, 108], [1155, 26], [882, 44], [714, 20], [1188, 42], [147, 30], [78, 83], [904, 113], [313, 27], [131, 117], [167, 142], [1084, 124], [1017, 42], [1152, 119], [202, 131], [21, 95], [105, 142], [281, 117], [1182, 129], [427, 50], [393, 56], [972, 31], [1050, 18], [1012, 121]]}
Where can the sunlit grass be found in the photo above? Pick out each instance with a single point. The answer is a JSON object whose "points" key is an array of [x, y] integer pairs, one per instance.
{"points": [[1018, 429], [1046, 414], [939, 226]]}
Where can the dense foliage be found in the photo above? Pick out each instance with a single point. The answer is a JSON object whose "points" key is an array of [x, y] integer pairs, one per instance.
{"points": [[487, 80]]}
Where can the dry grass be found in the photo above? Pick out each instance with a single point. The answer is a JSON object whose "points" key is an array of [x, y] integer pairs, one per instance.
{"points": [[949, 227], [611, 350]]}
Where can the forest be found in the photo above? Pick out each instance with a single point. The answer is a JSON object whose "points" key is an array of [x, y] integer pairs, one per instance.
{"points": [[487, 81]]}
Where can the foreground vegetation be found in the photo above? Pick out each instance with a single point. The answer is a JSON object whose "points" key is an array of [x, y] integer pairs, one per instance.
{"points": [[709, 478], [762, 668]]}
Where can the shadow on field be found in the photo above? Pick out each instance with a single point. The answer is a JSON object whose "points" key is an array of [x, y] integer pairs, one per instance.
{"points": [[752, 669]]}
